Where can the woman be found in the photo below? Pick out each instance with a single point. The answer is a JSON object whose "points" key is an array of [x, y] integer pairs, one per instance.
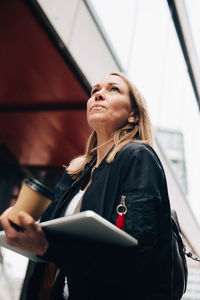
{"points": [[119, 164]]}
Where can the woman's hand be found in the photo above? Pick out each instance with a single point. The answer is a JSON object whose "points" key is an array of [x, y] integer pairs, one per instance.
{"points": [[31, 239]]}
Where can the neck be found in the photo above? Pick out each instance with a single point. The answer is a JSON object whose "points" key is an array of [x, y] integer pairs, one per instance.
{"points": [[104, 144]]}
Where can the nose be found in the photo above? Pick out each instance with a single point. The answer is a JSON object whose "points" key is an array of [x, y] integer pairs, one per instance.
{"points": [[99, 96]]}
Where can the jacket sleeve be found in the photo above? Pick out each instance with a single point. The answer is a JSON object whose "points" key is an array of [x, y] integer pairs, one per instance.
{"points": [[141, 183]]}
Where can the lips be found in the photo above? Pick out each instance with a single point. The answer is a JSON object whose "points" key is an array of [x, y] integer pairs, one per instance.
{"points": [[97, 106]]}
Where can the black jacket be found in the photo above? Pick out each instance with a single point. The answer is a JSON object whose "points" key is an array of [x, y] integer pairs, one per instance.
{"points": [[96, 271]]}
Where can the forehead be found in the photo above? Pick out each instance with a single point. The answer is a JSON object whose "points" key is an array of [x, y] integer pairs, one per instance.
{"points": [[113, 79]]}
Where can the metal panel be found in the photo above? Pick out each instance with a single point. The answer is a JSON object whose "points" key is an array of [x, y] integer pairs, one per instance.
{"points": [[61, 14], [89, 49], [183, 29]]}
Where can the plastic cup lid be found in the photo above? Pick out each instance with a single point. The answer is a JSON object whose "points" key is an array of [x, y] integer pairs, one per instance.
{"points": [[39, 187]]}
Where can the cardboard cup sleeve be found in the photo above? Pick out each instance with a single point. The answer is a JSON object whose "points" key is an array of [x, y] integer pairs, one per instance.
{"points": [[34, 198]]}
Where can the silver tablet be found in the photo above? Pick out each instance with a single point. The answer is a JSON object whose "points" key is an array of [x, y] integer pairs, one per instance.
{"points": [[85, 224], [90, 225]]}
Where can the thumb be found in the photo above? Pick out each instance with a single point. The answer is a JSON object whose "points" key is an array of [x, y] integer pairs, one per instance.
{"points": [[25, 219]]}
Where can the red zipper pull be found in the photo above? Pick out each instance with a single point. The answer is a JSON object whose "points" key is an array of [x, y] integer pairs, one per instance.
{"points": [[121, 210], [120, 221]]}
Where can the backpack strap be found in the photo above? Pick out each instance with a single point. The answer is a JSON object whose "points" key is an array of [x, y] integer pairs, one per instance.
{"points": [[188, 254]]}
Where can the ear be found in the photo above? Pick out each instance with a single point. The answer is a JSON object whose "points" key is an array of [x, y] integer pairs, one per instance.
{"points": [[133, 118]]}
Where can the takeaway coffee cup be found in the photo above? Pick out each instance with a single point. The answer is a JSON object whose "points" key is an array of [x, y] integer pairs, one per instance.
{"points": [[34, 198]]}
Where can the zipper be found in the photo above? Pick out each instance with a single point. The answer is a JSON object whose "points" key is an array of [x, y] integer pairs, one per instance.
{"points": [[122, 208], [121, 211]]}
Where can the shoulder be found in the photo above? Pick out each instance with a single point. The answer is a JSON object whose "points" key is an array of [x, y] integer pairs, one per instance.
{"points": [[140, 154], [137, 149], [134, 147]]}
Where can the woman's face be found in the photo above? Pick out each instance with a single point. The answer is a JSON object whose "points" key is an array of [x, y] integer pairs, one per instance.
{"points": [[109, 106]]}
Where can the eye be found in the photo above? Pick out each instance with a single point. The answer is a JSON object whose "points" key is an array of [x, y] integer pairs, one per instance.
{"points": [[115, 89], [94, 91]]}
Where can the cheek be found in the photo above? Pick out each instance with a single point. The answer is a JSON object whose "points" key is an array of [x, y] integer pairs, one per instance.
{"points": [[88, 106], [88, 103], [119, 113], [89, 113], [121, 107]]}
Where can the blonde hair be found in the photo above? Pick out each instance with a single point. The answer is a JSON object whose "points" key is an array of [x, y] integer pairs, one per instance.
{"points": [[141, 131]]}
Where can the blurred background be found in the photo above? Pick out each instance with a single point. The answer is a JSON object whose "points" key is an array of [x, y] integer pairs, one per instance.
{"points": [[52, 52]]}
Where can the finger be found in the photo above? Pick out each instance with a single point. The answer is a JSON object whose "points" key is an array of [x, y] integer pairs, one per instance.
{"points": [[27, 221], [33, 232], [6, 223], [19, 238], [6, 212]]}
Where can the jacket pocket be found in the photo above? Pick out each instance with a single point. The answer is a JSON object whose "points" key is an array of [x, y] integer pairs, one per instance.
{"points": [[141, 220]]}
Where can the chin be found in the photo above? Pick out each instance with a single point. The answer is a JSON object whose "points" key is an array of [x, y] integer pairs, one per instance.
{"points": [[96, 122]]}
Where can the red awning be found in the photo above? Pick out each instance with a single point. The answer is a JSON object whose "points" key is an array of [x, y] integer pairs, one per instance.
{"points": [[42, 100]]}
